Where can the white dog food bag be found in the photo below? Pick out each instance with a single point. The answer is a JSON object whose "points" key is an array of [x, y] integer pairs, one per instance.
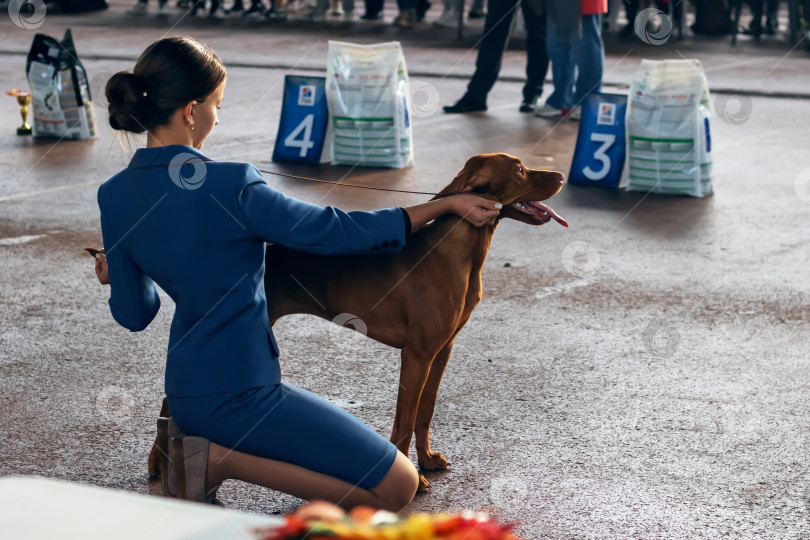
{"points": [[59, 89], [668, 134], [369, 103]]}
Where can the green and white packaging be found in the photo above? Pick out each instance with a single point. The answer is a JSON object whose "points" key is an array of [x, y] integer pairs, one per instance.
{"points": [[668, 132], [369, 105]]}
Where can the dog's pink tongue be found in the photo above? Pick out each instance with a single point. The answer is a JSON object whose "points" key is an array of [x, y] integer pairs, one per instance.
{"points": [[557, 217]]}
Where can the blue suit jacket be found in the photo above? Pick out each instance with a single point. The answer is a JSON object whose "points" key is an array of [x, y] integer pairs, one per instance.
{"points": [[198, 229]]}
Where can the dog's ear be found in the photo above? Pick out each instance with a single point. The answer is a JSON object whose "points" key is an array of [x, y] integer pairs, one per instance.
{"points": [[465, 180]]}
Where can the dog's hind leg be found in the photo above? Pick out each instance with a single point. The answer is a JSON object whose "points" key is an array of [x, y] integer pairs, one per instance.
{"points": [[412, 376]]}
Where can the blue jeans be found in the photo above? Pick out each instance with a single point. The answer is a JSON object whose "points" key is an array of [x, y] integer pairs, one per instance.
{"points": [[576, 65]]}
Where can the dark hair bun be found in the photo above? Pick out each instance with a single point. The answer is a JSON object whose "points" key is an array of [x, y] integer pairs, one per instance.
{"points": [[171, 73], [130, 105]]}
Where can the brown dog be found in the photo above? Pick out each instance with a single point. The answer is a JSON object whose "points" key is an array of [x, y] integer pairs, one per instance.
{"points": [[418, 300]]}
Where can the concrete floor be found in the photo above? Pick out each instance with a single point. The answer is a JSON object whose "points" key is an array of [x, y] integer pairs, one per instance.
{"points": [[659, 392]]}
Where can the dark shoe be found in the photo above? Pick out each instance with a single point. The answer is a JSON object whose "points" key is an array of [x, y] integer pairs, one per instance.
{"points": [[528, 105], [753, 30], [464, 106], [190, 456], [372, 16], [421, 10], [771, 26], [476, 14]]}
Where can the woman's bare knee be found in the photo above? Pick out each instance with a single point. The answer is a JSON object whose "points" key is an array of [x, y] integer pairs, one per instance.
{"points": [[399, 485]]}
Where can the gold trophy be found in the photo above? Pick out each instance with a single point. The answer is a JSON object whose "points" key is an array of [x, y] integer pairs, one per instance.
{"points": [[24, 100]]}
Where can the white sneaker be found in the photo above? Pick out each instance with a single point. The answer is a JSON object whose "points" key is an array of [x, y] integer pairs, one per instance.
{"points": [[576, 113], [337, 8], [547, 111], [448, 19], [137, 9], [218, 13]]}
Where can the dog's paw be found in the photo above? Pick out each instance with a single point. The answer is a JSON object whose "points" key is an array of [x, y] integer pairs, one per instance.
{"points": [[153, 464], [433, 461], [424, 485]]}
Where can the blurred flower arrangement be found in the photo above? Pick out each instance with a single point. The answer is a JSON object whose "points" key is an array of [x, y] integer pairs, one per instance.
{"points": [[319, 520]]}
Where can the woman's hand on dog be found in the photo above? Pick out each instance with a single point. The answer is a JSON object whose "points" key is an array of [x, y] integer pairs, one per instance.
{"points": [[101, 269], [476, 210]]}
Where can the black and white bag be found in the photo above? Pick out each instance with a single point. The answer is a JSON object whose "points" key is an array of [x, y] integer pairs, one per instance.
{"points": [[59, 89]]}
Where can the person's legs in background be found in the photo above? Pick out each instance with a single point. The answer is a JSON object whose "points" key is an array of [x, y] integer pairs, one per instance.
{"points": [[449, 17], [216, 10], [237, 6], [477, 9], [490, 52], [772, 20], [559, 51], [373, 10], [536, 55], [422, 6], [407, 14], [631, 8], [139, 7], [588, 54], [256, 7]]}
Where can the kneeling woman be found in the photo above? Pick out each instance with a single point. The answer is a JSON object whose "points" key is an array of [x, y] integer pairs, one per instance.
{"points": [[197, 228]]}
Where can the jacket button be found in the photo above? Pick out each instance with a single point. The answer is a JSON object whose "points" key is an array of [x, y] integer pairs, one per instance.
{"points": [[394, 242], [375, 248], [385, 244]]}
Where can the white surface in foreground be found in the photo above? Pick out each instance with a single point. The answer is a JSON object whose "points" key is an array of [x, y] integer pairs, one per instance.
{"points": [[34, 508]]}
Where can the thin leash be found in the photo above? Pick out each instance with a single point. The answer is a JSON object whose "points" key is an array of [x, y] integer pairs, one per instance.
{"points": [[308, 179]]}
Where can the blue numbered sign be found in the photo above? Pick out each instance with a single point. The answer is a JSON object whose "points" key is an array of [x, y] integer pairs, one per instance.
{"points": [[304, 117], [599, 154]]}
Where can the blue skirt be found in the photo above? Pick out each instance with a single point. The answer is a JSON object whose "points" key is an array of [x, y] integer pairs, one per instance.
{"points": [[288, 424]]}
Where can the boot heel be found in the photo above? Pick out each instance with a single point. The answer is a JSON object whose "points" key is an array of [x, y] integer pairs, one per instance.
{"points": [[190, 456]]}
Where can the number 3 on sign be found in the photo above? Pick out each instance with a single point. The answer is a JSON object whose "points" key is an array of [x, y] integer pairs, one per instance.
{"points": [[607, 141], [305, 142]]}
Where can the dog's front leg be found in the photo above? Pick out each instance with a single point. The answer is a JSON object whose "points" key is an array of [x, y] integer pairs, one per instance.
{"points": [[412, 375], [428, 459]]}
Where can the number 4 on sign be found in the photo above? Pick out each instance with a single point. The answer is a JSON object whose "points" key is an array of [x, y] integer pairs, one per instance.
{"points": [[305, 143], [607, 141]]}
